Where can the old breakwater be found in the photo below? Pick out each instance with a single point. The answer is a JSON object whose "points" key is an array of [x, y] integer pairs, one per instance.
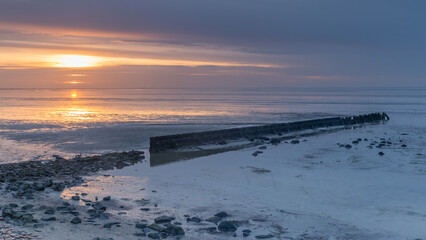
{"points": [[178, 141]]}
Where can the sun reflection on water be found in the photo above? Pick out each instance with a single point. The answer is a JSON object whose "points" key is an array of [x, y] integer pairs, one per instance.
{"points": [[71, 108], [74, 94]]}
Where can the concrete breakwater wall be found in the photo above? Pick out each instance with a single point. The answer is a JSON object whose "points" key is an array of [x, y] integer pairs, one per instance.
{"points": [[177, 141]]}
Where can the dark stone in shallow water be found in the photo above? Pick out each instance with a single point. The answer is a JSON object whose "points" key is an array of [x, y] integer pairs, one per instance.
{"points": [[256, 153], [193, 219], [381, 154], [141, 225], [174, 230], [163, 219], [76, 220], [98, 206], [264, 236], [222, 214], [27, 207], [154, 235], [227, 226], [109, 225], [156, 227], [50, 211], [48, 219], [75, 198], [246, 232]]}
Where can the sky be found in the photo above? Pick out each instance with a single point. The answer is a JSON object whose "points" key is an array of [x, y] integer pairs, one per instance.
{"points": [[212, 44]]}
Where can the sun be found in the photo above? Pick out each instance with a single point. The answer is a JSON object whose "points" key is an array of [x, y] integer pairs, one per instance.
{"points": [[75, 61]]}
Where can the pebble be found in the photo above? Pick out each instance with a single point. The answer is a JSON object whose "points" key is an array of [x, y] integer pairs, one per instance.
{"points": [[109, 225], [48, 219], [193, 219], [76, 220], [264, 236], [154, 235]]}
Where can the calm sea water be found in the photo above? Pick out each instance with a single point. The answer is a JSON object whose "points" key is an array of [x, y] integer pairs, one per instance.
{"points": [[35, 123]]}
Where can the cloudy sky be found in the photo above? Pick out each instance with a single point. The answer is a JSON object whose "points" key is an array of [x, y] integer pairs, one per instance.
{"points": [[220, 43]]}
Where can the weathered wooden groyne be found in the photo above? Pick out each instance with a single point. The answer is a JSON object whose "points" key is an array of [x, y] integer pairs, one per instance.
{"points": [[178, 141]]}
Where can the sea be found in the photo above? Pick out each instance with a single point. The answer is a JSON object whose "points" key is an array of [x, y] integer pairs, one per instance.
{"points": [[36, 124]]}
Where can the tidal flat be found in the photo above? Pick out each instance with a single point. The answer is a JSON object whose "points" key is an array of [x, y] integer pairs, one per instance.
{"points": [[357, 183]]}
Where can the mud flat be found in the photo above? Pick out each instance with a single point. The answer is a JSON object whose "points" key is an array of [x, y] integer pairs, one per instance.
{"points": [[355, 183]]}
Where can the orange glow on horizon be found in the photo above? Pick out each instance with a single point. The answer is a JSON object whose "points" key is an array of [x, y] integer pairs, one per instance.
{"points": [[74, 82], [75, 61]]}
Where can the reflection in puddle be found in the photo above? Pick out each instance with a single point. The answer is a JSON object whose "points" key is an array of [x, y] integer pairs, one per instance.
{"points": [[96, 188]]}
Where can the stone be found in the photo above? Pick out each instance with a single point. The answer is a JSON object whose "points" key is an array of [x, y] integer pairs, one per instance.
{"points": [[210, 229], [295, 141], [141, 225], [156, 227], [17, 216], [109, 225], [174, 230], [48, 219], [75, 198], [221, 214], [154, 235], [27, 218], [98, 206], [48, 183], [381, 154], [7, 212], [76, 220], [27, 207], [163, 219], [264, 236], [108, 198], [38, 225], [58, 187], [348, 146], [256, 153], [193, 219], [142, 234], [39, 186], [227, 226], [246, 232], [50, 211]]}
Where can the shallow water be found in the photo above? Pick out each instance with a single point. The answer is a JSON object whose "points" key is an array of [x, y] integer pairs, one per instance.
{"points": [[36, 123]]}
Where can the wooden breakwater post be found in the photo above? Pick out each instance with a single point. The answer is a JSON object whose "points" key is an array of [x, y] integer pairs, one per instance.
{"points": [[178, 141]]}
